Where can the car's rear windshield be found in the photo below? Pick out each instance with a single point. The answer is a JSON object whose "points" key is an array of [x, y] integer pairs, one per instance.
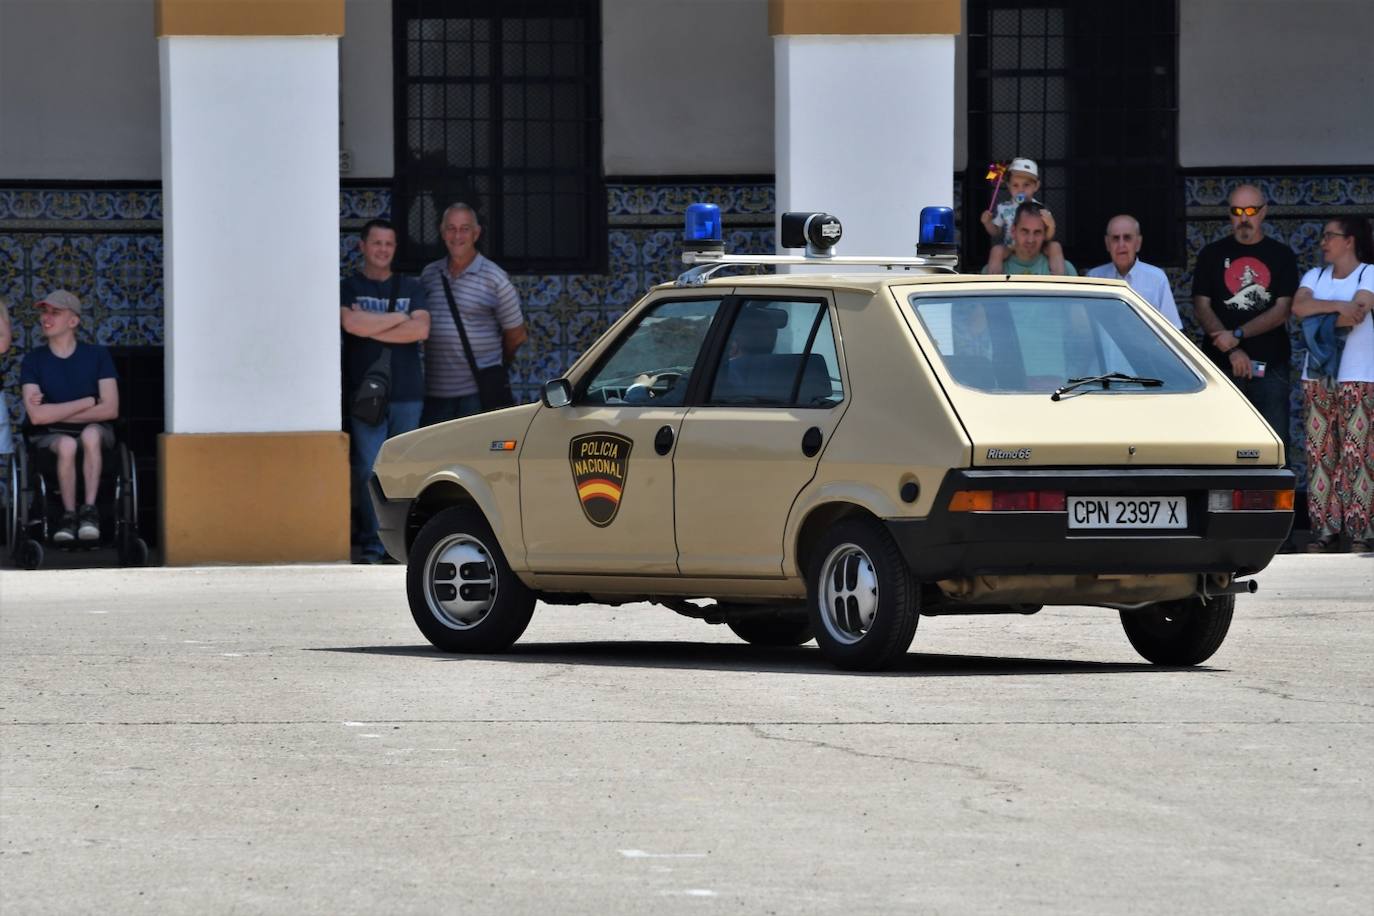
{"points": [[1030, 344]]}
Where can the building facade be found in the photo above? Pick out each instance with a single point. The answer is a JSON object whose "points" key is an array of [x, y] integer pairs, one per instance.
{"points": [[582, 129]]}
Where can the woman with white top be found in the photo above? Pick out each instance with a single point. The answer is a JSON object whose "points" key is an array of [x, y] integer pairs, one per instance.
{"points": [[1340, 407]]}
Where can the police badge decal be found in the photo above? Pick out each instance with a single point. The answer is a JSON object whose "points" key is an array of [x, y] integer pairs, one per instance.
{"points": [[600, 463]]}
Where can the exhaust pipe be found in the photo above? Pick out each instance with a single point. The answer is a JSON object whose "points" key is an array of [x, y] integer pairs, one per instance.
{"points": [[1216, 586]]}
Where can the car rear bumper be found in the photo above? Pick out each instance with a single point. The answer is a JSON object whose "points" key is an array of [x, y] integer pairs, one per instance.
{"points": [[950, 544], [391, 519]]}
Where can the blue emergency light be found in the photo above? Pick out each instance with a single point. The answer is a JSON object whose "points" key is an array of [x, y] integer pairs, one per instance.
{"points": [[702, 230], [937, 231]]}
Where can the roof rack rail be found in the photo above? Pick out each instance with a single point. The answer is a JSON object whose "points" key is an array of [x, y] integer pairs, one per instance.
{"points": [[708, 262]]}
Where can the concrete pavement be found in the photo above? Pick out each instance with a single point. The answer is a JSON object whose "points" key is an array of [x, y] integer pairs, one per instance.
{"points": [[281, 739]]}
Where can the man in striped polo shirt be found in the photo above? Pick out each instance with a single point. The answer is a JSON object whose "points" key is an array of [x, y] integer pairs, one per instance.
{"points": [[490, 310]]}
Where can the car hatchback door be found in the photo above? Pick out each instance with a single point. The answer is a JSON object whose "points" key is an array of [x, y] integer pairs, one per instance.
{"points": [[596, 476]]}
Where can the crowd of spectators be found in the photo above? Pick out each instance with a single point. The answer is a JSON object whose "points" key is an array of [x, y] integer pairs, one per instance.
{"points": [[1246, 295], [437, 335], [462, 308]]}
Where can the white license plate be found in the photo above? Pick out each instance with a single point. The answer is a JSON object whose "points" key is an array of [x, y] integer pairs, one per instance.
{"points": [[1116, 512]]}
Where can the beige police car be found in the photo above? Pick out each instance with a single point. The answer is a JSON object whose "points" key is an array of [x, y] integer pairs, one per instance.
{"points": [[835, 456]]}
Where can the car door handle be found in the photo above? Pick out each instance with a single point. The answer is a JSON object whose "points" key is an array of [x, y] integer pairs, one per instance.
{"points": [[811, 442], [663, 440]]}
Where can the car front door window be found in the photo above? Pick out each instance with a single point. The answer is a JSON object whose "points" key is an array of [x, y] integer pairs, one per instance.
{"points": [[653, 364]]}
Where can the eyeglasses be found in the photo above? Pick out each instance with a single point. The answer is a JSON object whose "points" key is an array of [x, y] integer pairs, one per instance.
{"points": [[1328, 236], [1247, 211]]}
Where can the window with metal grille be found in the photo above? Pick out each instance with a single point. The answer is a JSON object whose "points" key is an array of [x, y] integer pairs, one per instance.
{"points": [[498, 105], [1088, 89]]}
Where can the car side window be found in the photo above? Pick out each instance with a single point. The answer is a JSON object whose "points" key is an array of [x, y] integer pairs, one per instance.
{"points": [[653, 362], [779, 354]]}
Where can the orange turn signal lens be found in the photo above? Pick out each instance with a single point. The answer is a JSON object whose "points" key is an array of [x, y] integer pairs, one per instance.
{"points": [[1262, 500], [503, 445], [971, 501]]}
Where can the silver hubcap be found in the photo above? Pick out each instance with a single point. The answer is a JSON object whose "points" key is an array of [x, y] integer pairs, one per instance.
{"points": [[848, 593], [460, 582]]}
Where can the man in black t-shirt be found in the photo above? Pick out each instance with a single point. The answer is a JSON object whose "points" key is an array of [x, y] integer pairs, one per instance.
{"points": [[380, 311], [1243, 288]]}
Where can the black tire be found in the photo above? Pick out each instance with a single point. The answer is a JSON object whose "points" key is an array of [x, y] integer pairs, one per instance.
{"points": [[864, 606], [29, 555], [133, 552], [462, 593], [1179, 633], [773, 629]]}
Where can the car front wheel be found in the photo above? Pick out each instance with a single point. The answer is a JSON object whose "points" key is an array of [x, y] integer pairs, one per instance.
{"points": [[462, 593], [864, 606], [1179, 633]]}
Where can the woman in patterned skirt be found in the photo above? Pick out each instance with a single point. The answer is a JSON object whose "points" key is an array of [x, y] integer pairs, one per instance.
{"points": [[1340, 391]]}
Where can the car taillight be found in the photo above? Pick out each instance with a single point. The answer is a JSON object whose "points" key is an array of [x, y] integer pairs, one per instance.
{"points": [[1250, 500], [1007, 501]]}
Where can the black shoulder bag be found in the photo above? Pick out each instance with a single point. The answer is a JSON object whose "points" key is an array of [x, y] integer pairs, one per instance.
{"points": [[493, 384], [373, 396]]}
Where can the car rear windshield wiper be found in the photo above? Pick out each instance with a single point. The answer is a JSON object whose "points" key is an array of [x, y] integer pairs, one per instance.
{"points": [[1105, 381]]}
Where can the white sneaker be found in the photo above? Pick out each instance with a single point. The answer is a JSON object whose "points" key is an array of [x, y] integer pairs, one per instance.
{"points": [[66, 529], [89, 527]]}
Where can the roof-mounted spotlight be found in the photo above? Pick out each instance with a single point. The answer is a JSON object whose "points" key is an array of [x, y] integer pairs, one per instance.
{"points": [[936, 235], [702, 230], [816, 232]]}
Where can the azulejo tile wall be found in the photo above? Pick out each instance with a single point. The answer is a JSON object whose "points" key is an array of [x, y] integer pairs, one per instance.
{"points": [[565, 313], [105, 244]]}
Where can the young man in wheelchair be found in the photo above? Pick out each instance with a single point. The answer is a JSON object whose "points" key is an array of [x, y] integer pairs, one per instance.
{"points": [[71, 396]]}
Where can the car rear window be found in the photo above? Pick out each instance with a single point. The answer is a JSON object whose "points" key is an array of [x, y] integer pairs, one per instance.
{"points": [[1031, 344]]}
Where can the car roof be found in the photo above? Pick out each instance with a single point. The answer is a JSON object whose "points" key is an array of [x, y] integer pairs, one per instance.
{"points": [[873, 282]]}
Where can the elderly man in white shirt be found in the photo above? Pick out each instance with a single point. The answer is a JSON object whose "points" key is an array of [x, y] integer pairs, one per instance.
{"points": [[1123, 244]]}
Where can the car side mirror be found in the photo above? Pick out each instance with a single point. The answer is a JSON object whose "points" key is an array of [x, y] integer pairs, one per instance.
{"points": [[557, 393]]}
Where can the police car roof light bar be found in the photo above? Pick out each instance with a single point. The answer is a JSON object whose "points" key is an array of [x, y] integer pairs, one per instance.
{"points": [[818, 233], [708, 263]]}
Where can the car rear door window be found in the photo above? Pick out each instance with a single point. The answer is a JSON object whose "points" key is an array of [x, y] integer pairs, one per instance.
{"points": [[779, 353]]}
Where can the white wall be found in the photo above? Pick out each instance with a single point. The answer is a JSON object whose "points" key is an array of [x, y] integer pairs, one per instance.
{"points": [[1275, 83], [251, 245], [365, 74], [688, 87], [78, 90], [856, 138]]}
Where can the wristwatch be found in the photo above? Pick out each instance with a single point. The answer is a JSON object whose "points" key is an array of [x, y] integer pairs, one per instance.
{"points": [[1238, 333]]}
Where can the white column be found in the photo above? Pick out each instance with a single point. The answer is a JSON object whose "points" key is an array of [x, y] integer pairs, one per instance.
{"points": [[251, 232], [865, 130]]}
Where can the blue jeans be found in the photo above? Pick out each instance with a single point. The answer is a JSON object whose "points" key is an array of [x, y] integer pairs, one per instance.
{"points": [[365, 442], [441, 409], [1270, 397]]}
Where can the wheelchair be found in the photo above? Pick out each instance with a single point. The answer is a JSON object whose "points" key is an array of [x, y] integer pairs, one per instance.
{"points": [[35, 503]]}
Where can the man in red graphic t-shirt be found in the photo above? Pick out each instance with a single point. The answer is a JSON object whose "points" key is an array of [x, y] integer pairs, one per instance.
{"points": [[1243, 286]]}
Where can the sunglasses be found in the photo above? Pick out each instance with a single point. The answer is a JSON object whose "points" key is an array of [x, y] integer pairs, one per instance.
{"points": [[1247, 211]]}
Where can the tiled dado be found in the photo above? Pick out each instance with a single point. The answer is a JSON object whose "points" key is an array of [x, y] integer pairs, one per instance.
{"points": [[106, 245], [565, 313], [1333, 194]]}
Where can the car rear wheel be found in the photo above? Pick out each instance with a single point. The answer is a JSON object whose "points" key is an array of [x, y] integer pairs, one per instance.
{"points": [[462, 593], [864, 606], [1178, 633], [773, 630]]}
